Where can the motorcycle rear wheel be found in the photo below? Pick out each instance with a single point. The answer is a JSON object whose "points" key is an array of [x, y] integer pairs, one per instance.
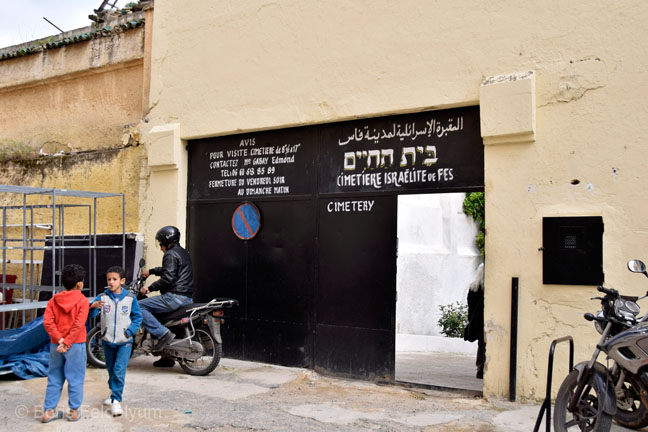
{"points": [[589, 415], [631, 412], [94, 348], [212, 353]]}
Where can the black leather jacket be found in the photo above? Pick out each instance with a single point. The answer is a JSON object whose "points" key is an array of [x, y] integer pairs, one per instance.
{"points": [[175, 274]]}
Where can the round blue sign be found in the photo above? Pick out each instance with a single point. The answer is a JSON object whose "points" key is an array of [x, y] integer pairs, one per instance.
{"points": [[246, 221]]}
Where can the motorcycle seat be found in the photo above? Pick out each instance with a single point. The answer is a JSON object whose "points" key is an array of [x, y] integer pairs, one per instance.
{"points": [[183, 311], [178, 313]]}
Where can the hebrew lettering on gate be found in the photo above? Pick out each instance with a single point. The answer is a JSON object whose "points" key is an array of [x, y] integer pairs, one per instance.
{"points": [[349, 161], [389, 153], [384, 158], [373, 154], [431, 152], [373, 159], [408, 151]]}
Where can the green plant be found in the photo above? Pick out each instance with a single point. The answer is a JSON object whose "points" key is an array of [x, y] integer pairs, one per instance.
{"points": [[473, 206], [454, 318], [14, 150]]}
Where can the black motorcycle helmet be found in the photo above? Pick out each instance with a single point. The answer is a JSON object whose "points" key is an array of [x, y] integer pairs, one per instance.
{"points": [[167, 236]]}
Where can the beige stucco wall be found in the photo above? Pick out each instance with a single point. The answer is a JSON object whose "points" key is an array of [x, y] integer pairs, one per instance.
{"points": [[74, 98], [240, 66], [70, 119]]}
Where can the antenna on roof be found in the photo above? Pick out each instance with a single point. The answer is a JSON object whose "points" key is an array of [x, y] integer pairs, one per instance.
{"points": [[53, 24]]}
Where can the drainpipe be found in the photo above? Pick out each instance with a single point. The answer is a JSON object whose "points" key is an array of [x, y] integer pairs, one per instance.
{"points": [[514, 331]]}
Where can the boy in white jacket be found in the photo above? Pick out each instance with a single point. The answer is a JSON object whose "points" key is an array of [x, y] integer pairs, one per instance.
{"points": [[120, 319]]}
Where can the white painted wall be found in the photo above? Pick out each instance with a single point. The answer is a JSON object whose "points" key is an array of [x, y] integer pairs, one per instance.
{"points": [[437, 257]]}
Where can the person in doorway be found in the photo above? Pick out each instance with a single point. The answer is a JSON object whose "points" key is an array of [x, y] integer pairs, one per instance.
{"points": [[474, 331], [120, 320], [64, 321], [175, 285]]}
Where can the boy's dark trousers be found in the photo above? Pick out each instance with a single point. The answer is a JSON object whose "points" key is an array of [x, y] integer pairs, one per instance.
{"points": [[117, 357]]}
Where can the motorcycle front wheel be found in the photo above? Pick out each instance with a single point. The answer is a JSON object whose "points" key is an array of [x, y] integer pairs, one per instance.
{"points": [[212, 352], [631, 412], [94, 348], [588, 415]]}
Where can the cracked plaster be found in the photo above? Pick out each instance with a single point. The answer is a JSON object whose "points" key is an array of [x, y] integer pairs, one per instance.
{"points": [[569, 81]]}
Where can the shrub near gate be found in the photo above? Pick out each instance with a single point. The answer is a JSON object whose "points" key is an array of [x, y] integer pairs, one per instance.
{"points": [[454, 318]]}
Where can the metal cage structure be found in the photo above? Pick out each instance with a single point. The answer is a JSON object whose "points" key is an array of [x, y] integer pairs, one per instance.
{"points": [[35, 252]]}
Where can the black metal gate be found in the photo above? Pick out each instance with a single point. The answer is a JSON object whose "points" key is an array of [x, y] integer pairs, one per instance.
{"points": [[317, 284], [356, 294]]}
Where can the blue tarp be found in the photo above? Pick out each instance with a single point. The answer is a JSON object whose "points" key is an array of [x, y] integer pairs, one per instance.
{"points": [[24, 351]]}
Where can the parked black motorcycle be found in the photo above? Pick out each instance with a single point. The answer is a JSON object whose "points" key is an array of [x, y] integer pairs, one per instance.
{"points": [[197, 346], [593, 394]]}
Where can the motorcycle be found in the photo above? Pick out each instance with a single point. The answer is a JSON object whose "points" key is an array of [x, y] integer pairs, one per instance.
{"points": [[197, 346], [593, 394]]}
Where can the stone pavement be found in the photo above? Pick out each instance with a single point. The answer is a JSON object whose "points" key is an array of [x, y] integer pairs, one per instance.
{"points": [[438, 370], [248, 396]]}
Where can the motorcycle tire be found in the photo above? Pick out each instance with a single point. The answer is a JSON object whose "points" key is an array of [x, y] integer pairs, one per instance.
{"points": [[211, 357], [589, 415], [94, 348], [631, 412]]}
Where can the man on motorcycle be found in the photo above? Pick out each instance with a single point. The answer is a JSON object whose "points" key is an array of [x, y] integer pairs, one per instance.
{"points": [[175, 285]]}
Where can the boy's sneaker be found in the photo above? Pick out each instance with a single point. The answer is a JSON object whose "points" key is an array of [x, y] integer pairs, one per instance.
{"points": [[116, 408], [108, 401]]}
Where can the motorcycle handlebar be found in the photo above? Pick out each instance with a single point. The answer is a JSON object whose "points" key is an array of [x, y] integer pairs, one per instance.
{"points": [[610, 291], [592, 317]]}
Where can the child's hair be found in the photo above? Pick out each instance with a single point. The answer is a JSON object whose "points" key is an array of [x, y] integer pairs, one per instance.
{"points": [[72, 274], [118, 270]]}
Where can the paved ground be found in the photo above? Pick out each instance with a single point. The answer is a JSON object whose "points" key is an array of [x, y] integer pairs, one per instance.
{"points": [[438, 370], [246, 396]]}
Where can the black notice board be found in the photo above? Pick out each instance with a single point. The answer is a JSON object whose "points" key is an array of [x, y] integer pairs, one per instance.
{"points": [[264, 164], [434, 151], [428, 151]]}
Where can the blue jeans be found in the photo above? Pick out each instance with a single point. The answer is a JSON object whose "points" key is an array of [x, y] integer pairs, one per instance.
{"points": [[70, 366], [159, 304], [117, 357]]}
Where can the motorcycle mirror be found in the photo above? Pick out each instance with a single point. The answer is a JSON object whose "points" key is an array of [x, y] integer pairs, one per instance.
{"points": [[637, 266], [142, 263]]}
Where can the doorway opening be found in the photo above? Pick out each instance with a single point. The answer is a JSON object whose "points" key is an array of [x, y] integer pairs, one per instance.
{"points": [[436, 262]]}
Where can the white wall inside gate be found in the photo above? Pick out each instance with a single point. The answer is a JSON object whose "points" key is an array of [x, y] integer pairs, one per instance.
{"points": [[437, 258]]}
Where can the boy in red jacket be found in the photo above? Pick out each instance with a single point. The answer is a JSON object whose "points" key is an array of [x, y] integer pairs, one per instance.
{"points": [[64, 320]]}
